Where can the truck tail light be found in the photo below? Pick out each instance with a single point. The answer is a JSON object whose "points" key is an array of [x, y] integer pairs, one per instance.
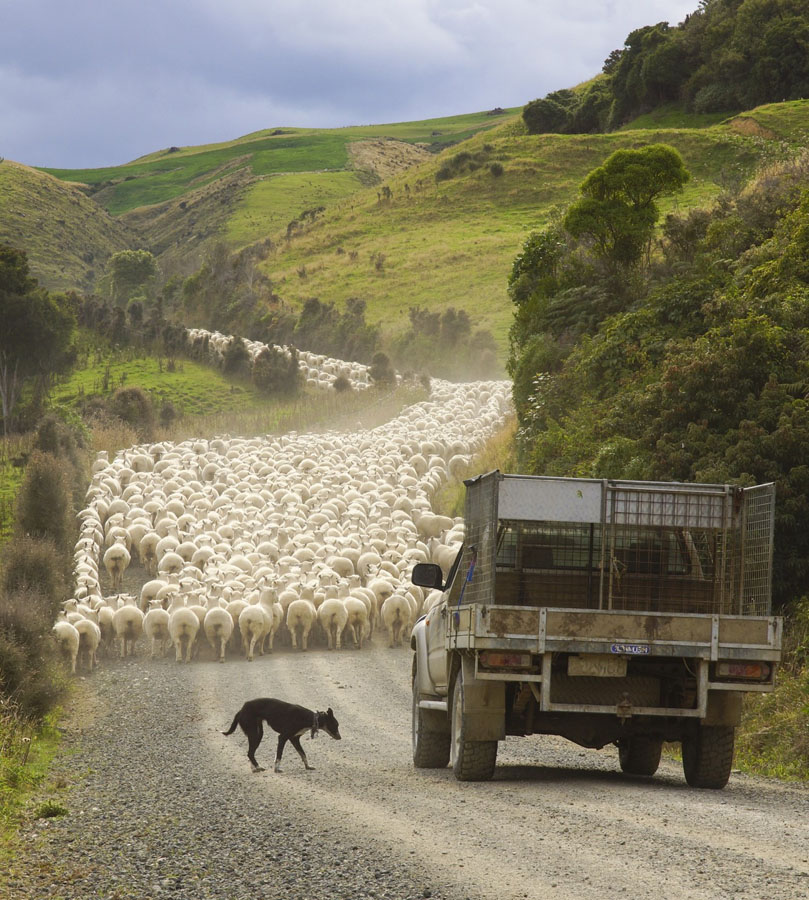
{"points": [[744, 671], [498, 660]]}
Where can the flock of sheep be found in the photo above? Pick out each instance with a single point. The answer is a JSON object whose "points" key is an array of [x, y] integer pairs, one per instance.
{"points": [[317, 370], [245, 540]]}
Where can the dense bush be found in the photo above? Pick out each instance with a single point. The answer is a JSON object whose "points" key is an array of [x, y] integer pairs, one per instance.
{"points": [[276, 373], [30, 674], [45, 502], [133, 406], [444, 345], [726, 56], [33, 564], [700, 372], [380, 370]]}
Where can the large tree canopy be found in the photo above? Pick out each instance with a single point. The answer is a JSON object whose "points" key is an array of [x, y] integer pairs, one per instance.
{"points": [[617, 209], [35, 329], [132, 272]]}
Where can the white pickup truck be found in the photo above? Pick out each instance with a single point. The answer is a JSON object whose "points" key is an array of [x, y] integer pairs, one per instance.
{"points": [[608, 612]]}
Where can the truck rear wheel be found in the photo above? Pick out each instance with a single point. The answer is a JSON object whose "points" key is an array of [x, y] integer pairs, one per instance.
{"points": [[471, 760], [708, 756], [430, 747], [640, 754]]}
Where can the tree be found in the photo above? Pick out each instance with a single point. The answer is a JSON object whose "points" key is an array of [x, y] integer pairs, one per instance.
{"points": [[617, 209], [36, 328], [131, 272]]}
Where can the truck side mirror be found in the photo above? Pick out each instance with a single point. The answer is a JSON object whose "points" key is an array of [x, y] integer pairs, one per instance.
{"points": [[428, 575]]}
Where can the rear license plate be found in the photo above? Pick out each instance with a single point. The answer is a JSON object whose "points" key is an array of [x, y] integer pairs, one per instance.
{"points": [[601, 665]]}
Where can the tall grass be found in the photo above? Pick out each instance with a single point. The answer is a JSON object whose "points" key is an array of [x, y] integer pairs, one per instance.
{"points": [[498, 453], [26, 749]]}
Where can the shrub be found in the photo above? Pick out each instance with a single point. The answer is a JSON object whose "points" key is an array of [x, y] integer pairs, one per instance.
{"points": [[236, 360], [168, 413], [33, 564], [380, 370], [29, 669], [44, 502], [134, 406], [496, 169], [276, 373]]}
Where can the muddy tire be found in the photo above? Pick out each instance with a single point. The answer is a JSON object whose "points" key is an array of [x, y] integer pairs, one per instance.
{"points": [[708, 756], [471, 760], [430, 744], [640, 754]]}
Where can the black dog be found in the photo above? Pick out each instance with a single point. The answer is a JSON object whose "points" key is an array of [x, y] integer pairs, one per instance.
{"points": [[288, 719]]}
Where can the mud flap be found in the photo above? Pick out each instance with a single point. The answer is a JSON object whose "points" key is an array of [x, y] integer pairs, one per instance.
{"points": [[724, 708], [484, 705]]}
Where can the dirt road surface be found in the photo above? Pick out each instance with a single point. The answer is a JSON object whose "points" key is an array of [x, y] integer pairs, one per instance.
{"points": [[160, 803]]}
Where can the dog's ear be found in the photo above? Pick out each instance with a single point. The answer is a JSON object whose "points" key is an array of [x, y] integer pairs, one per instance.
{"points": [[329, 712]]}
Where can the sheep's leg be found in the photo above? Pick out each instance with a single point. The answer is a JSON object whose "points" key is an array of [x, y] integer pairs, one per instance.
{"points": [[221, 648], [304, 639], [252, 648], [189, 649], [178, 648], [296, 743]]}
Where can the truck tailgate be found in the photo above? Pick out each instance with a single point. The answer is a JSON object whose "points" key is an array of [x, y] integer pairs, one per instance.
{"points": [[547, 629]]}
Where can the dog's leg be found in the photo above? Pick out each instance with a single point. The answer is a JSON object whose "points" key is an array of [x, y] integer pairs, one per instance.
{"points": [[282, 739], [296, 743], [254, 736]]}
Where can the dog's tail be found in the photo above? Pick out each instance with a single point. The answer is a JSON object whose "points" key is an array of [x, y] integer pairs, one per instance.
{"points": [[233, 724]]}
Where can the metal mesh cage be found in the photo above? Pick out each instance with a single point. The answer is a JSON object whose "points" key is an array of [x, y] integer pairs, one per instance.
{"points": [[755, 595], [637, 546], [480, 538]]}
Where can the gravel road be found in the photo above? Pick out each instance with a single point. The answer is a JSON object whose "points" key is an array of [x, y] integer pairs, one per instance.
{"points": [[161, 804]]}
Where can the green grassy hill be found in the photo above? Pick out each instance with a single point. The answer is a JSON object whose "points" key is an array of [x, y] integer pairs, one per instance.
{"points": [[452, 241], [386, 219], [175, 201], [67, 236]]}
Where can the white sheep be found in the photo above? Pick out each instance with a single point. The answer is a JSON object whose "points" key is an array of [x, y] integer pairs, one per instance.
{"points": [[252, 625], [333, 617], [301, 615], [89, 639], [127, 623], [218, 627], [156, 628], [183, 628], [358, 622], [396, 614], [67, 637], [116, 561]]}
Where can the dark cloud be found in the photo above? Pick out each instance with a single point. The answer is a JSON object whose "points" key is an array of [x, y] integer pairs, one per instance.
{"points": [[92, 83]]}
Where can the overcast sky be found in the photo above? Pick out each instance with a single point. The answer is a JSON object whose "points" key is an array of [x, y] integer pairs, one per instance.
{"points": [[87, 83]]}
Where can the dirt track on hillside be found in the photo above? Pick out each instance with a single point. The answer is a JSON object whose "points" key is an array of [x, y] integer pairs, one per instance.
{"points": [[160, 802]]}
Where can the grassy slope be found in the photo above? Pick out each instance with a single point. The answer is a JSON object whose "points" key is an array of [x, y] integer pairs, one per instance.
{"points": [[177, 200], [452, 243], [169, 173], [67, 237], [449, 243]]}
